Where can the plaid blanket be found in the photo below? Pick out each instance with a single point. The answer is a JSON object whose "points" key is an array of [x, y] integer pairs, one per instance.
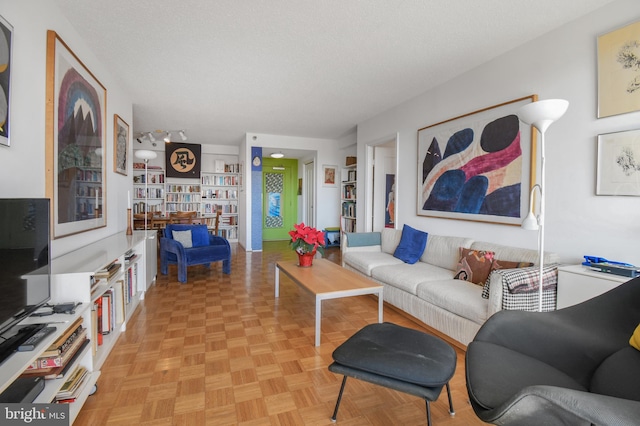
{"points": [[525, 280]]}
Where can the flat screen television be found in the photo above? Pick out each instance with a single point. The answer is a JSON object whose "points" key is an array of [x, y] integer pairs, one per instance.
{"points": [[25, 258]]}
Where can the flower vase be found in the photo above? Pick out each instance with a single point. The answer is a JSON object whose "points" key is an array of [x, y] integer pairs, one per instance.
{"points": [[306, 260]]}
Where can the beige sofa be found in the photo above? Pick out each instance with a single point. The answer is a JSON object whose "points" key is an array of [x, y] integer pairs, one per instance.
{"points": [[427, 290]]}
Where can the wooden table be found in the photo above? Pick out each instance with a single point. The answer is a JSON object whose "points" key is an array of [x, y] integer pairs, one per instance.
{"points": [[327, 280]]}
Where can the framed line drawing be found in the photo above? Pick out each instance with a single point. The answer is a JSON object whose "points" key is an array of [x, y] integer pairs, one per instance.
{"points": [[329, 175], [120, 145], [75, 142], [478, 166], [618, 169], [6, 38], [619, 71]]}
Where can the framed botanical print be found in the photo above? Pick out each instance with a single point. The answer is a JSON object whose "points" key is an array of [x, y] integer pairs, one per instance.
{"points": [[75, 142], [477, 166], [619, 71], [618, 170], [120, 145]]}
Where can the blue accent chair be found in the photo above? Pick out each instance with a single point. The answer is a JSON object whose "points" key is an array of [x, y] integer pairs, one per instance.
{"points": [[205, 248]]}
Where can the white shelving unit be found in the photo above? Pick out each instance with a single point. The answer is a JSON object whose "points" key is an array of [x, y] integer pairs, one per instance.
{"points": [[220, 192], [348, 185], [182, 197], [72, 276], [154, 187]]}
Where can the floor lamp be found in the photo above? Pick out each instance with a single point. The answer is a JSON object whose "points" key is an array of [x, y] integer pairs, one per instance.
{"points": [[541, 115], [146, 155]]}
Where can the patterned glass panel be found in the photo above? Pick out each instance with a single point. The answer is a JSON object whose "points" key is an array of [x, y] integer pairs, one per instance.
{"points": [[274, 185]]}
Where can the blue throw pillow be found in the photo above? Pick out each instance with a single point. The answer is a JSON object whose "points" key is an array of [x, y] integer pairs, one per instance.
{"points": [[200, 235], [412, 245]]}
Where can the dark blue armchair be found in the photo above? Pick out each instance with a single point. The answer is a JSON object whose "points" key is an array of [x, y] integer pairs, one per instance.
{"points": [[186, 245]]}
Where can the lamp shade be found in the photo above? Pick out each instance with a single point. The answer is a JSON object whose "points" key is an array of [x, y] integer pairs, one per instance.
{"points": [[145, 154], [541, 114], [530, 223]]}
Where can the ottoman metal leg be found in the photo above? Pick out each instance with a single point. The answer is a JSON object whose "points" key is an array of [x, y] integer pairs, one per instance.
{"points": [[335, 412], [451, 411]]}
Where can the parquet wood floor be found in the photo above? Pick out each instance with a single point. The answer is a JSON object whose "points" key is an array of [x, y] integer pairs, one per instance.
{"points": [[222, 350]]}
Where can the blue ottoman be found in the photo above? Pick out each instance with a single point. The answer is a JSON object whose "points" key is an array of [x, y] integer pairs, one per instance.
{"points": [[398, 358]]}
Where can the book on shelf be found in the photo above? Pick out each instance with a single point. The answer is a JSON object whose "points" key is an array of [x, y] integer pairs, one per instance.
{"points": [[68, 359], [98, 320], [59, 346], [69, 390], [55, 355], [108, 271]]}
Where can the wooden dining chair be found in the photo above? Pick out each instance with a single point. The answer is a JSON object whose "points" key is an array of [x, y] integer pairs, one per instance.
{"points": [[217, 222], [183, 217], [140, 219]]}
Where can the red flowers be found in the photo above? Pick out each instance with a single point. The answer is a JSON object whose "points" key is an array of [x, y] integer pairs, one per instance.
{"points": [[305, 239]]}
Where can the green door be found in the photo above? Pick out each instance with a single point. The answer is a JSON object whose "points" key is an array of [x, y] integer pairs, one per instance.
{"points": [[280, 198]]}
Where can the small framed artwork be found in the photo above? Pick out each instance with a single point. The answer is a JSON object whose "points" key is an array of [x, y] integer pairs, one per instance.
{"points": [[120, 145], [329, 175], [75, 132], [6, 35], [619, 71], [618, 170], [477, 166]]}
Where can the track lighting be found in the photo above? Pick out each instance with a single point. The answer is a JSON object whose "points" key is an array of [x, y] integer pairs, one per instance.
{"points": [[165, 135]]}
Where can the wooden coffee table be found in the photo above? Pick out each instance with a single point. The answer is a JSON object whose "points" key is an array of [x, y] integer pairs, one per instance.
{"points": [[327, 280]]}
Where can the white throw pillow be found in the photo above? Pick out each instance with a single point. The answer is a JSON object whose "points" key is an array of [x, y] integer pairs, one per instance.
{"points": [[183, 237]]}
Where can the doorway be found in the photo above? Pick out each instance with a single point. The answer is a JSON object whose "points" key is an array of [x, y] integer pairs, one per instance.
{"points": [[309, 194], [382, 172], [279, 189]]}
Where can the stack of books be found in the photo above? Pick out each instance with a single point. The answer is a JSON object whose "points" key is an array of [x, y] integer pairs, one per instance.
{"points": [[108, 271], [70, 390], [56, 360]]}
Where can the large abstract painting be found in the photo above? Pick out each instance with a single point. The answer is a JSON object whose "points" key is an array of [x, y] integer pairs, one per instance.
{"points": [[75, 148], [477, 166]]}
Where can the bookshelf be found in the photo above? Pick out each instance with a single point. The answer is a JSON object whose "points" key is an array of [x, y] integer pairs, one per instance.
{"points": [[154, 188], [348, 188], [73, 279], [88, 192], [182, 197], [220, 192]]}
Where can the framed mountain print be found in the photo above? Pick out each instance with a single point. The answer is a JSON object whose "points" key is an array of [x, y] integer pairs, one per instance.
{"points": [[75, 142]]}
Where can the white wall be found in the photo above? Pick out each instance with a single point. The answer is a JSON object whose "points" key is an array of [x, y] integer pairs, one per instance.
{"points": [[561, 64], [23, 164]]}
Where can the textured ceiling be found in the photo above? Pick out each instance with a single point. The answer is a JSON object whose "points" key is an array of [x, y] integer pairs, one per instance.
{"points": [[313, 68]]}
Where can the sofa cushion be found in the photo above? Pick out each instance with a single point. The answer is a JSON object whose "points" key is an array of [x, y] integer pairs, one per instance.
{"points": [[390, 239], [412, 244], [474, 265], [444, 251], [408, 277], [365, 261], [456, 296], [183, 237], [618, 375], [496, 373], [360, 239]]}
